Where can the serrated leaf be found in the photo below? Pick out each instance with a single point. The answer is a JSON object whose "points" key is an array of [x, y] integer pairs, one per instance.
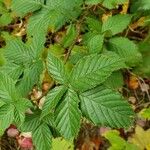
{"points": [[36, 45], [70, 36], [77, 53], [94, 24], [40, 22], [7, 88], [126, 49], [115, 81], [19, 113], [16, 51], [30, 78], [23, 7], [56, 68], [49, 119], [95, 44], [60, 143], [10, 96], [106, 107], [13, 70], [54, 15], [31, 123], [116, 24], [140, 5], [67, 115], [110, 4], [6, 116], [93, 70], [42, 137], [52, 99]]}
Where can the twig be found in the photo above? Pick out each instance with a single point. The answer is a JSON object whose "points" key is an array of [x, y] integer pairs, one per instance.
{"points": [[148, 95], [143, 105]]}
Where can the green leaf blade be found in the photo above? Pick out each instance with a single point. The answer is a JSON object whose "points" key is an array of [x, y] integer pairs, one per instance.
{"points": [[67, 116], [6, 116], [106, 107], [95, 44], [42, 137], [52, 100], [116, 24], [7, 88], [70, 36], [126, 49], [93, 70], [110, 4], [23, 7], [56, 68]]}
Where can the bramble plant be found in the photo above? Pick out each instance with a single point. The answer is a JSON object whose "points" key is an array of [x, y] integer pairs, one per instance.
{"points": [[79, 52]]}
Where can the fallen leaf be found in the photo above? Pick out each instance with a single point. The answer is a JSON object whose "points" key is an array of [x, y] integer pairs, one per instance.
{"points": [[145, 113], [117, 142], [141, 138], [133, 82], [62, 144]]}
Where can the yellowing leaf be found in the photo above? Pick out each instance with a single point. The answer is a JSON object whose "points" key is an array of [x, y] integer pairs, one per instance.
{"points": [[125, 7], [117, 142], [145, 113], [106, 16], [141, 138], [61, 144]]}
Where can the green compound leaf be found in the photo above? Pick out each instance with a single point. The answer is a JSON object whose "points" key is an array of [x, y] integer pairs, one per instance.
{"points": [[105, 107], [13, 101], [116, 24], [54, 15], [67, 115], [93, 70], [24, 59]]}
